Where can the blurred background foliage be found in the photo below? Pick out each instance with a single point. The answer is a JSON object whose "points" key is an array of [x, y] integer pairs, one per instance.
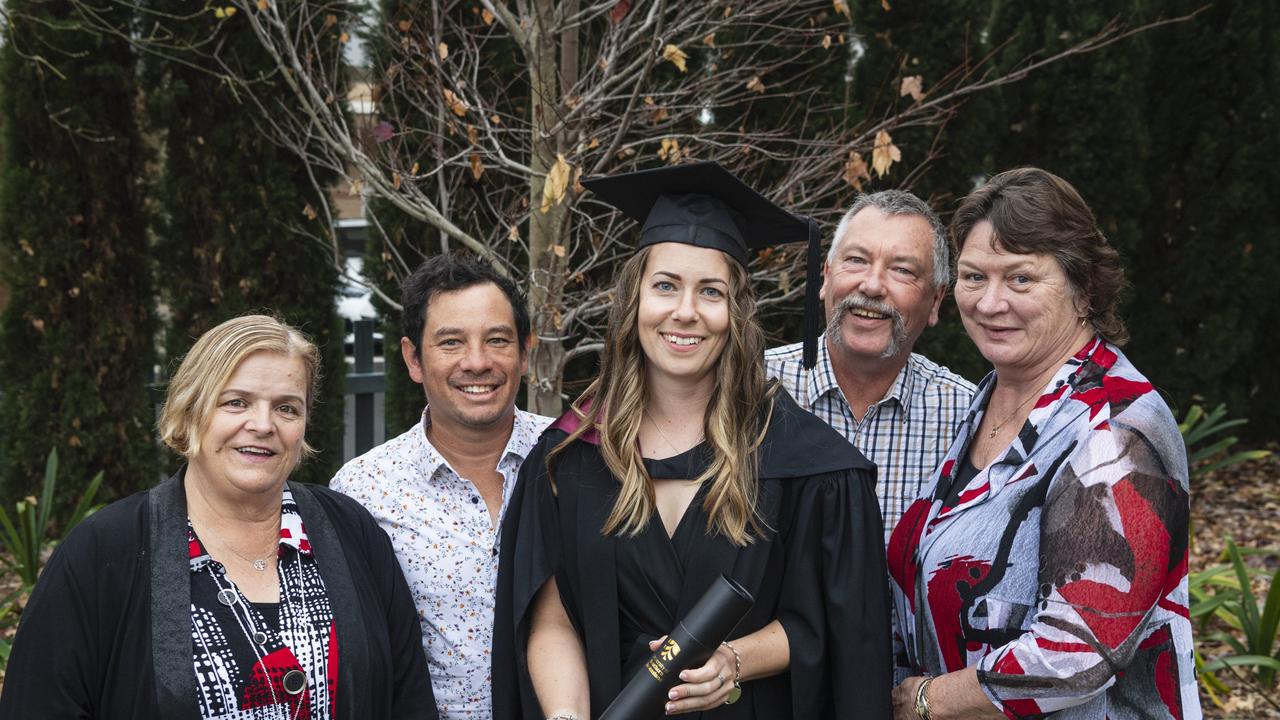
{"points": [[140, 202]]}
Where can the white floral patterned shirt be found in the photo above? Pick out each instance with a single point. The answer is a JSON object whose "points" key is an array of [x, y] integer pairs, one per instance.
{"points": [[448, 549]]}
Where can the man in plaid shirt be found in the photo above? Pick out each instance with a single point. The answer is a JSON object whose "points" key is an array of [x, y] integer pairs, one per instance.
{"points": [[885, 276]]}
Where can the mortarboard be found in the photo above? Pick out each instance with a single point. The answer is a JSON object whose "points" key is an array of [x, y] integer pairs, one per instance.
{"points": [[705, 205]]}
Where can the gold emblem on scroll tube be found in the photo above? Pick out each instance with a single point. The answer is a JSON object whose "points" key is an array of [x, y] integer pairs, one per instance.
{"points": [[670, 650]]}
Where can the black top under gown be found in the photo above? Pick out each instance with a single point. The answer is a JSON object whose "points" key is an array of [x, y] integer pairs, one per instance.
{"points": [[820, 571], [651, 567]]}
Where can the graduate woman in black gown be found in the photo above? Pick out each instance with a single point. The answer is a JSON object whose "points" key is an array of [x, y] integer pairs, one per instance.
{"points": [[680, 463]]}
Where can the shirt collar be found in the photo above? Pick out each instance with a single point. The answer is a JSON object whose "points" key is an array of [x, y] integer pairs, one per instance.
{"points": [[293, 534], [822, 380], [524, 434]]}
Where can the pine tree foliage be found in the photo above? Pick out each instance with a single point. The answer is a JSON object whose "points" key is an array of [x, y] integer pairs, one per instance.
{"points": [[233, 203], [75, 336], [394, 234]]}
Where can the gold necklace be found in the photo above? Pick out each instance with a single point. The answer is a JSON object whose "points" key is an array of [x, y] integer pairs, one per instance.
{"points": [[995, 428], [663, 435]]}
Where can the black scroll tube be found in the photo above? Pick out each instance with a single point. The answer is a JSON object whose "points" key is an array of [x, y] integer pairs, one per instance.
{"points": [[690, 644]]}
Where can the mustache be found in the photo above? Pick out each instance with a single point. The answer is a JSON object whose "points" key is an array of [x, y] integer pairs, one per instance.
{"points": [[858, 301], [465, 378]]}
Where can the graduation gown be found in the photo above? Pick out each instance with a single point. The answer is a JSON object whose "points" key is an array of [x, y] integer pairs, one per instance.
{"points": [[820, 571]]}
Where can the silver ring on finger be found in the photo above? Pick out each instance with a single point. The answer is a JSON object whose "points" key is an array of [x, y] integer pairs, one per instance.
{"points": [[720, 677]]}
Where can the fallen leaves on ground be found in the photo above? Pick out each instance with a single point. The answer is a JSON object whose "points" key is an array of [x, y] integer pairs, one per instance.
{"points": [[1243, 503]]}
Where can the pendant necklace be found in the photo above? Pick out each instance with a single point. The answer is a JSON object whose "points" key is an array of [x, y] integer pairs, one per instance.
{"points": [[259, 564], [995, 428]]}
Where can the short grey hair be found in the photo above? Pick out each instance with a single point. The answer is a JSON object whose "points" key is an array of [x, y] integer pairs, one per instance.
{"points": [[901, 202]]}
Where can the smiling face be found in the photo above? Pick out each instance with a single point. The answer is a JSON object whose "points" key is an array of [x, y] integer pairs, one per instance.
{"points": [[683, 314], [471, 361], [878, 286], [1020, 310], [254, 436]]}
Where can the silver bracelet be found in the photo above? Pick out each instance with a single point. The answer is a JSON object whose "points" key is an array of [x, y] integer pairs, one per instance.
{"points": [[562, 716]]}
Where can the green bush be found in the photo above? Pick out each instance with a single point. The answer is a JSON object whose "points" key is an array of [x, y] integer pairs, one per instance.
{"points": [[25, 537], [1225, 592], [1198, 427]]}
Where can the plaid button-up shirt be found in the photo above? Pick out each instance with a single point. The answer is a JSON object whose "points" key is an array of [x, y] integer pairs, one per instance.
{"points": [[906, 434]]}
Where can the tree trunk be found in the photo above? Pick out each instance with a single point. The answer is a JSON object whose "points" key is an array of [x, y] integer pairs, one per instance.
{"points": [[548, 248]]}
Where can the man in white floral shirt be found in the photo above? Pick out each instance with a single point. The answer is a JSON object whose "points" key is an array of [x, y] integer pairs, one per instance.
{"points": [[440, 489]]}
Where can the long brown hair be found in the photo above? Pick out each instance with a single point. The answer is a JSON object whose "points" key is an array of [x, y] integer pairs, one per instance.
{"points": [[733, 425]]}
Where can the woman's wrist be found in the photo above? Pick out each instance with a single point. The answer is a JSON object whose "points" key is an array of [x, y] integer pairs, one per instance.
{"points": [[922, 708], [561, 715]]}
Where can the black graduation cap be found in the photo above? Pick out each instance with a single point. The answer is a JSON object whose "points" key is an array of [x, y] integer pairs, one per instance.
{"points": [[705, 205]]}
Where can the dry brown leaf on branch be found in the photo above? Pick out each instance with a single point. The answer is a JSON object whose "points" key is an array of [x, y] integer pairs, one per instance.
{"points": [[709, 40], [826, 42], [885, 4], [486, 17], [330, 20], [344, 38], [557, 181], [885, 154], [755, 84], [454, 102], [675, 56], [913, 86], [396, 180], [477, 167], [855, 170], [472, 136], [841, 7], [619, 11], [414, 170], [514, 233], [443, 49], [309, 211], [558, 250], [404, 25], [263, 4], [669, 150]]}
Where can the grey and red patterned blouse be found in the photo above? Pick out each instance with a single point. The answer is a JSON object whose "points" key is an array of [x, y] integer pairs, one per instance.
{"points": [[1061, 570], [260, 661]]}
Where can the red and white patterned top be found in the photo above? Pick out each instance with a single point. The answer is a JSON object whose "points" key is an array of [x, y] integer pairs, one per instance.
{"points": [[1061, 570], [244, 652]]}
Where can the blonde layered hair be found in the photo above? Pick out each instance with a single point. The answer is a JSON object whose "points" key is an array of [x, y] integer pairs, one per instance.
{"points": [[193, 390], [734, 426]]}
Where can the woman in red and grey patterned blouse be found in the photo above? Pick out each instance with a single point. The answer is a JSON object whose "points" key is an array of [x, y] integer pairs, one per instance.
{"points": [[1043, 573]]}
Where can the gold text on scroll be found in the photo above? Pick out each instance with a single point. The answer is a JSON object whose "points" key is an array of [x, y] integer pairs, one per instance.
{"points": [[657, 665]]}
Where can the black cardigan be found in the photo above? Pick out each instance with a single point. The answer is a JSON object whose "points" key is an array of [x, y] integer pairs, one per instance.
{"points": [[107, 631]]}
